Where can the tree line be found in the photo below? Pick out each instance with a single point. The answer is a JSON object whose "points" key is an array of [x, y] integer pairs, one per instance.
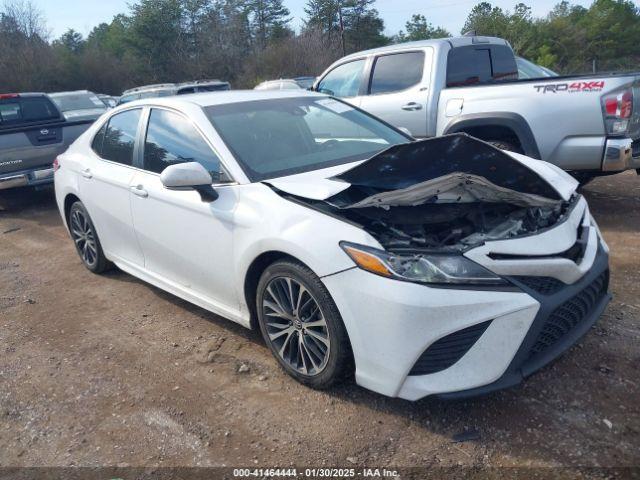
{"points": [[247, 41]]}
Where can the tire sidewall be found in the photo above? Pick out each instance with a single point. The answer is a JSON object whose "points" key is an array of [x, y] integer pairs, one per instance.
{"points": [[101, 261], [333, 370]]}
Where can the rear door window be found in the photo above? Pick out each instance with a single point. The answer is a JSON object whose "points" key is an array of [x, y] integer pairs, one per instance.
{"points": [[344, 80], [393, 73], [119, 140], [474, 65]]}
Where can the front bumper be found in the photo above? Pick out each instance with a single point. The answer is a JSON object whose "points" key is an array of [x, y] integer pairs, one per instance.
{"points": [[24, 178], [619, 155], [565, 315], [491, 339]]}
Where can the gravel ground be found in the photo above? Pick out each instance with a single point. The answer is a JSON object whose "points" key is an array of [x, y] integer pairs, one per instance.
{"points": [[106, 370]]}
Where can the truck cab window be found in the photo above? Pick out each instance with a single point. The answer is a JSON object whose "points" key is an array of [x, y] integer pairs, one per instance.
{"points": [[474, 65], [393, 73], [344, 80]]}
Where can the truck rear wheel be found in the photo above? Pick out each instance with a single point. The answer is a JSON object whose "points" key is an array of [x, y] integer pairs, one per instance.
{"points": [[506, 145]]}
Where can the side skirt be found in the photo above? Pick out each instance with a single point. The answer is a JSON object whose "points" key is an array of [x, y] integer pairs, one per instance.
{"points": [[190, 296]]}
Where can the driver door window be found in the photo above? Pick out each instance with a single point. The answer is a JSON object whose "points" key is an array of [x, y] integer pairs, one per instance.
{"points": [[344, 81], [172, 139]]}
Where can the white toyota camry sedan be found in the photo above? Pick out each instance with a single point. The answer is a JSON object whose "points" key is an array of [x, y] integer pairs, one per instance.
{"points": [[442, 266]]}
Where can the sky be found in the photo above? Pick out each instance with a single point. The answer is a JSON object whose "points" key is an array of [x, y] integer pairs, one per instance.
{"points": [[83, 15]]}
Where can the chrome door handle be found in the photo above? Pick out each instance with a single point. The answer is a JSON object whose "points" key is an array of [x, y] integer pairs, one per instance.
{"points": [[139, 191], [86, 173], [412, 106]]}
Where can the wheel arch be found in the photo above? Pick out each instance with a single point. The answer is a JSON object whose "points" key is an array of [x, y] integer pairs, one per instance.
{"points": [[486, 124], [252, 277], [69, 200]]}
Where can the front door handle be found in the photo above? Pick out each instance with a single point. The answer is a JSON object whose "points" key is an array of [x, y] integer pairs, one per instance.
{"points": [[86, 173], [139, 191], [412, 106]]}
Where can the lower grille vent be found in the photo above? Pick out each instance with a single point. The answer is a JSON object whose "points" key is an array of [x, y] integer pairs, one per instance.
{"points": [[448, 350]]}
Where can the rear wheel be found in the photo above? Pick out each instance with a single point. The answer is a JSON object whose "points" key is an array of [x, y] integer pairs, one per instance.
{"points": [[86, 239], [506, 145], [302, 326]]}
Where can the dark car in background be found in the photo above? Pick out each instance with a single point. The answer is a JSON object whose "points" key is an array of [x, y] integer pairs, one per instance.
{"points": [[33, 132]]}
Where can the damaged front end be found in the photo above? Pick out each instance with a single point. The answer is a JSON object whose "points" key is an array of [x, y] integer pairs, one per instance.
{"points": [[444, 196]]}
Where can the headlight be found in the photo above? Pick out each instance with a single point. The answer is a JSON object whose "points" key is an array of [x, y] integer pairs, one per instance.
{"points": [[421, 268]]}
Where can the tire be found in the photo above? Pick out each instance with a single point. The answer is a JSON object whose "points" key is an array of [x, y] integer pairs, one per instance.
{"points": [[315, 362], [506, 145], [86, 239]]}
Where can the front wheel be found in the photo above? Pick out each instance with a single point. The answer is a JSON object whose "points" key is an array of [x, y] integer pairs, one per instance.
{"points": [[302, 325], [86, 239]]}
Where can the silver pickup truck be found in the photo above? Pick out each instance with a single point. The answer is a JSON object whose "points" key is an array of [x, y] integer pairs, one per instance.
{"points": [[587, 125], [33, 132]]}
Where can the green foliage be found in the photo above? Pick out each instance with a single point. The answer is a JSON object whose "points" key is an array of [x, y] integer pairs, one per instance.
{"points": [[244, 41], [354, 20], [418, 28], [571, 38]]}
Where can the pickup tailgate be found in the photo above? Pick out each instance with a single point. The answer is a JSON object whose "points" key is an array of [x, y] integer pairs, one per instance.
{"points": [[26, 149]]}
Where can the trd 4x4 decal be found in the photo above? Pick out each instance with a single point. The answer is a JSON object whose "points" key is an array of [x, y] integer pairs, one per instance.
{"points": [[573, 87]]}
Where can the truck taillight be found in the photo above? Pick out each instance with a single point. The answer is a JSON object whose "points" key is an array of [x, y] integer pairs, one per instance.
{"points": [[618, 108], [56, 165]]}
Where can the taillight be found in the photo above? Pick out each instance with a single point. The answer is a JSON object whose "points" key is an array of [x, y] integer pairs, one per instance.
{"points": [[56, 165], [5, 96], [618, 108]]}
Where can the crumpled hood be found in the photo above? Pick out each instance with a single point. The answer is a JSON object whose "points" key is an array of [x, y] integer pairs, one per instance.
{"points": [[449, 169]]}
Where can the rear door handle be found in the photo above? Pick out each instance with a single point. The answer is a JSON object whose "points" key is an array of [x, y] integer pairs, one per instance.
{"points": [[139, 191], [86, 173], [412, 106]]}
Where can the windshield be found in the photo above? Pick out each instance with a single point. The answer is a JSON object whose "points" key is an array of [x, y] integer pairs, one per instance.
{"points": [[306, 83], [77, 101], [527, 69], [284, 136]]}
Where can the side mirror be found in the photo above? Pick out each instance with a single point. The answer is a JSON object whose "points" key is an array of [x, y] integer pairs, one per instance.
{"points": [[188, 175], [406, 131]]}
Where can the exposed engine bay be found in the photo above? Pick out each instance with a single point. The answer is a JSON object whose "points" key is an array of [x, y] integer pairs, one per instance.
{"points": [[452, 226], [447, 194]]}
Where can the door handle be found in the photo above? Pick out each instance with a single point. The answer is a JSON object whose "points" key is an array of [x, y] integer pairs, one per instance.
{"points": [[86, 173], [139, 191], [412, 106]]}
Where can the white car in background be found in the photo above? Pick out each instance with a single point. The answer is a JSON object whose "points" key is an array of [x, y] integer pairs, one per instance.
{"points": [[79, 105], [443, 266]]}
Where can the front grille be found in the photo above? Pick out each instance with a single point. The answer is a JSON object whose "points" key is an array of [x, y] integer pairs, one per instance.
{"points": [[448, 350], [542, 285], [575, 253], [569, 315]]}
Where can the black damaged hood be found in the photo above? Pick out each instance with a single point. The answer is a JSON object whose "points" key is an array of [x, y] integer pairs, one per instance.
{"points": [[403, 166]]}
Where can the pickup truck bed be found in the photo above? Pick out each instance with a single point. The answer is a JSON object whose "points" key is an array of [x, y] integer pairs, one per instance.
{"points": [[588, 125], [32, 134]]}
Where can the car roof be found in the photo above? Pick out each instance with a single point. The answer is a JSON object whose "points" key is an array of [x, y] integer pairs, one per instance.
{"points": [[207, 99], [453, 41], [74, 92]]}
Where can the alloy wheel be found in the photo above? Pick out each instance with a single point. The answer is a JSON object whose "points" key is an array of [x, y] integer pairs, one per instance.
{"points": [[83, 236], [296, 326]]}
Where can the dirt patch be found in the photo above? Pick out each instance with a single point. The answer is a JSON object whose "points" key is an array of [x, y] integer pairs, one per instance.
{"points": [[107, 370]]}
